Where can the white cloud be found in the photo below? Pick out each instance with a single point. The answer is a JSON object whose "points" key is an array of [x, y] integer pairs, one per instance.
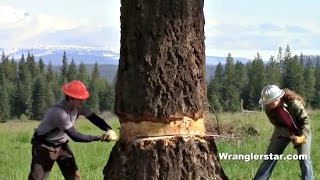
{"points": [[18, 25], [10, 15], [40, 23], [247, 40]]}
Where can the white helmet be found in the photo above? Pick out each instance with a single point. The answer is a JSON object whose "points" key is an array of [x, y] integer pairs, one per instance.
{"points": [[270, 94]]}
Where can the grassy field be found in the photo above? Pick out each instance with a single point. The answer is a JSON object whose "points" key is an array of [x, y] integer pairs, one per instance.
{"points": [[284, 169], [15, 149]]}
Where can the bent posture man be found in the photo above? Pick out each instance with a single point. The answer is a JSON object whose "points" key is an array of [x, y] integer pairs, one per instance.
{"points": [[50, 140]]}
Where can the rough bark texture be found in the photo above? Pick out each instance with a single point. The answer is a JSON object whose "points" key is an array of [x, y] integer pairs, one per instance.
{"points": [[172, 158], [161, 94], [162, 61]]}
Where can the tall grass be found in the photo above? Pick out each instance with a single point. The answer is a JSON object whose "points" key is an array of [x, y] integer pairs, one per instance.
{"points": [[15, 149], [284, 169]]}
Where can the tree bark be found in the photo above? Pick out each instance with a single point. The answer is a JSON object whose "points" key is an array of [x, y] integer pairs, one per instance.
{"points": [[161, 96]]}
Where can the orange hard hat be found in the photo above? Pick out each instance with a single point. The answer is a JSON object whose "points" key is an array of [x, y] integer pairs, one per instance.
{"points": [[75, 89]]}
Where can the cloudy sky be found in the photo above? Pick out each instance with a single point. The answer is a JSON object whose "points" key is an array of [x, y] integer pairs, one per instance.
{"points": [[241, 27]]}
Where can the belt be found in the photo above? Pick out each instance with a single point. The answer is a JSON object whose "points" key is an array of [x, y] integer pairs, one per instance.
{"points": [[42, 139]]}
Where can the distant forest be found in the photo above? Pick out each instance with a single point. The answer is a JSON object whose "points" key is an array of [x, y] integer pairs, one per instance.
{"points": [[234, 82], [28, 88]]}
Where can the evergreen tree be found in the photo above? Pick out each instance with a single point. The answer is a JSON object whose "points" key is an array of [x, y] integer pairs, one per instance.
{"points": [[13, 86], [8, 68], [230, 94], [94, 89], [309, 82], [280, 55], [9, 71], [41, 66], [32, 66], [241, 79], [287, 53], [95, 72], [22, 69], [302, 59], [50, 98], [54, 92], [256, 81], [293, 75], [64, 68], [106, 97], [39, 96], [316, 99], [24, 95], [214, 89], [273, 74], [72, 71], [50, 73], [83, 74], [4, 99], [14, 70]]}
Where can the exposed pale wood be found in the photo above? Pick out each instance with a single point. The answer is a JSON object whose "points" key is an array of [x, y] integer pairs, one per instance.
{"points": [[130, 130]]}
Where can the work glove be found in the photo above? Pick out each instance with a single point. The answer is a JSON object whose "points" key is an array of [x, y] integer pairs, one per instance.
{"points": [[298, 140], [110, 135]]}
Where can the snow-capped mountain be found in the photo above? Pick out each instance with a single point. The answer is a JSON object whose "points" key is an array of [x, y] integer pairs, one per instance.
{"points": [[87, 55], [54, 54]]}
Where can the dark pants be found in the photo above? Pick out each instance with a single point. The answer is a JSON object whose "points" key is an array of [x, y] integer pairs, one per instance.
{"points": [[44, 156]]}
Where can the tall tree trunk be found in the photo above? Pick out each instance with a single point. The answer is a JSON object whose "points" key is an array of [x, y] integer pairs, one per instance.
{"points": [[161, 96]]}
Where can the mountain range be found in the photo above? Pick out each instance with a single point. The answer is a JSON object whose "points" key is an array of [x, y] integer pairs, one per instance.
{"points": [[108, 60], [87, 55]]}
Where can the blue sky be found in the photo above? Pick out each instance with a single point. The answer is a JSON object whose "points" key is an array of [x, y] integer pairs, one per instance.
{"points": [[241, 27]]}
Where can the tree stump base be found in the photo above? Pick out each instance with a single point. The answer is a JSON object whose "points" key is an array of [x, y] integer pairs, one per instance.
{"points": [[165, 158]]}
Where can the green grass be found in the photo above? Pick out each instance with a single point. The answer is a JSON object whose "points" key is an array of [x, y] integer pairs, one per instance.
{"points": [[15, 149], [284, 169]]}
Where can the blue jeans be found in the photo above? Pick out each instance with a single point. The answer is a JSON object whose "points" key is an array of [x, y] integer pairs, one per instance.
{"points": [[277, 146]]}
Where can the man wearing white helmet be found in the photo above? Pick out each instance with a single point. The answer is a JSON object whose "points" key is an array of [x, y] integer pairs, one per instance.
{"points": [[285, 110], [50, 140]]}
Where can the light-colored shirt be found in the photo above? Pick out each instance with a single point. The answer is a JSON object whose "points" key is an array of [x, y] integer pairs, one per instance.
{"points": [[57, 119]]}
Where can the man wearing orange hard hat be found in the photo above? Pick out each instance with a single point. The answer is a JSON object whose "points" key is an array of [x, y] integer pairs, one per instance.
{"points": [[50, 140]]}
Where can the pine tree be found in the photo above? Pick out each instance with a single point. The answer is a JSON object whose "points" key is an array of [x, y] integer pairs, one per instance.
{"points": [[106, 97], [309, 82], [22, 69], [215, 89], [83, 74], [256, 81], [280, 55], [32, 66], [95, 72], [94, 89], [273, 73], [4, 99], [41, 66], [241, 78], [230, 93], [316, 99], [64, 68], [50, 73], [24, 95], [8, 68], [39, 96], [287, 53], [72, 71], [293, 75]]}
